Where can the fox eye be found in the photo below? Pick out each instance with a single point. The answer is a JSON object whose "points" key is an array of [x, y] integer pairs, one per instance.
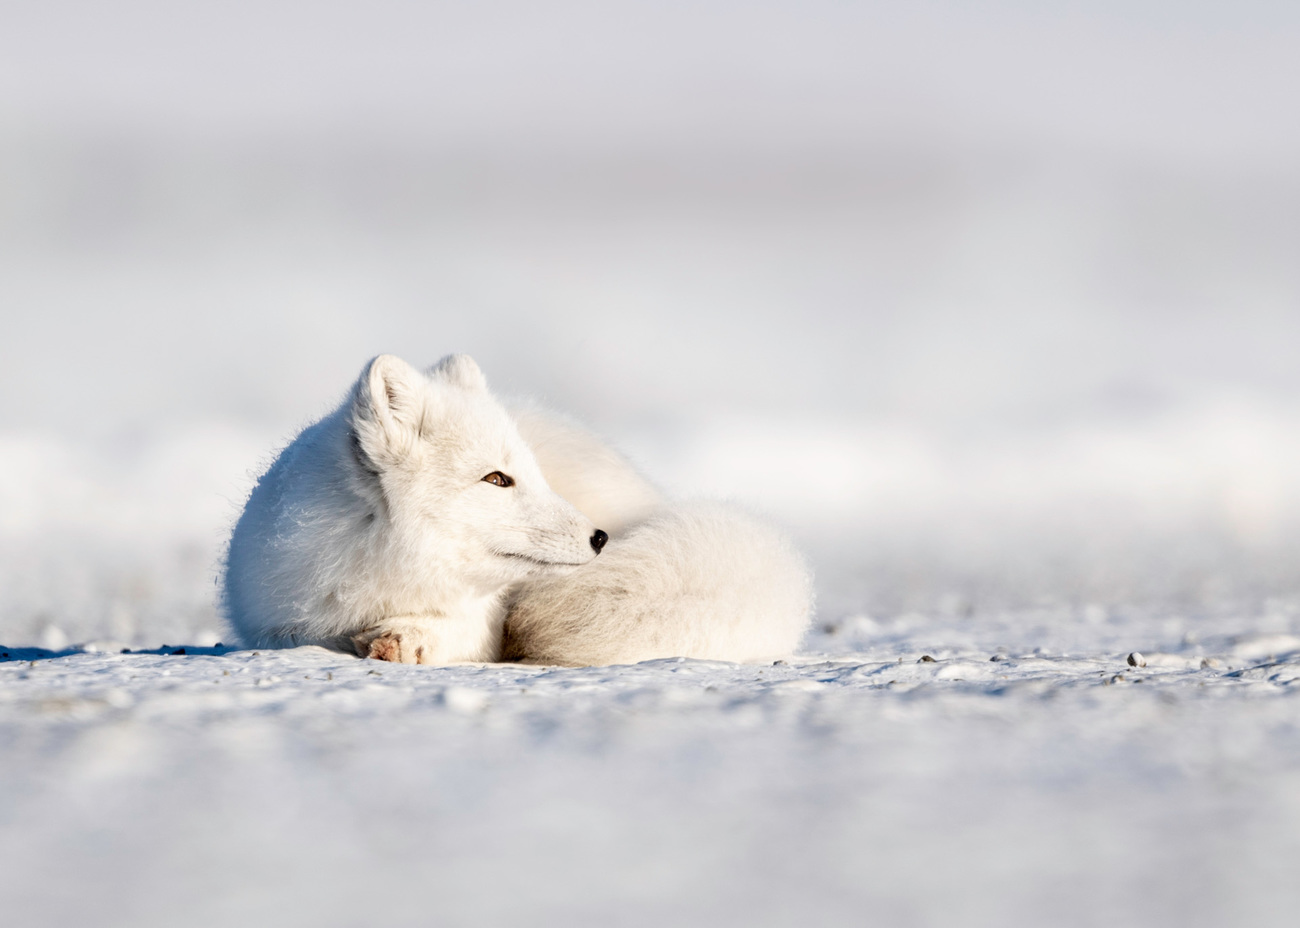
{"points": [[498, 479]]}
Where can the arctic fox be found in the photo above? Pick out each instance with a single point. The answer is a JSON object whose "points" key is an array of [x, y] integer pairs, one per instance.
{"points": [[396, 524], [423, 522]]}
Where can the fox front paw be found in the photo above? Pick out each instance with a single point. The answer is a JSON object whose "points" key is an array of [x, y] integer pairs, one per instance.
{"points": [[398, 647]]}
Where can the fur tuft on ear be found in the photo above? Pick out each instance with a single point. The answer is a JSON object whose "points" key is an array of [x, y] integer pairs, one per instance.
{"points": [[387, 409], [459, 370]]}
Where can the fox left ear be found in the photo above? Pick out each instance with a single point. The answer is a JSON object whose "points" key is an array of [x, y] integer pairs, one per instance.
{"points": [[388, 409], [459, 370]]}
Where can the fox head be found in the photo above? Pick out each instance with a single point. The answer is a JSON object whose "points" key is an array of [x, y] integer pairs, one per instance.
{"points": [[441, 460]]}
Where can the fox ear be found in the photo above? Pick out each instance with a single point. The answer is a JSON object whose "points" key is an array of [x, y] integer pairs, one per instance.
{"points": [[387, 409], [459, 370]]}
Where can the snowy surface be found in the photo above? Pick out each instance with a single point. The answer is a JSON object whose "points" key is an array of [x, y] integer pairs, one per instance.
{"points": [[993, 784]]}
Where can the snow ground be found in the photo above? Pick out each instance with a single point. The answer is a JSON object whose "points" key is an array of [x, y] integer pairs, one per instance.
{"points": [[995, 784]]}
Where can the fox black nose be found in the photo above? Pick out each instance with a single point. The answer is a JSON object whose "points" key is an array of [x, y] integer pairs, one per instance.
{"points": [[598, 540]]}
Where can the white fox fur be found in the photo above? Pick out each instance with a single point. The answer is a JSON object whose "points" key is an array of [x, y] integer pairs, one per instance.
{"points": [[375, 530], [604, 486], [376, 527], [702, 580]]}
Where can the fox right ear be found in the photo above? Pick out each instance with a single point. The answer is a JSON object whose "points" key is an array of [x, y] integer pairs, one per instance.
{"points": [[388, 409], [460, 370]]}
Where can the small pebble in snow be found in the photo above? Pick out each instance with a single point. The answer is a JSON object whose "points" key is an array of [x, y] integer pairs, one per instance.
{"points": [[926, 659], [1208, 662], [1136, 660]]}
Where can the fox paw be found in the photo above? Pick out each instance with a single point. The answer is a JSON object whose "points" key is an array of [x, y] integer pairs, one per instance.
{"points": [[392, 646]]}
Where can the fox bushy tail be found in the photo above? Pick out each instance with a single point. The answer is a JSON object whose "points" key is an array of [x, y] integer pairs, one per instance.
{"points": [[703, 580]]}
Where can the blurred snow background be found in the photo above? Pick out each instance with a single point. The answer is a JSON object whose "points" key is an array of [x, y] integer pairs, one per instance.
{"points": [[991, 305]]}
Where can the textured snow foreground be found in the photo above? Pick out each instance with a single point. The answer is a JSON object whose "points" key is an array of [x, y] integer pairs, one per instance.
{"points": [[904, 784]]}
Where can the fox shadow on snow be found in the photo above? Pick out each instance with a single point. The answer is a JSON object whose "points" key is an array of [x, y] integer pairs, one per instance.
{"points": [[45, 654]]}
